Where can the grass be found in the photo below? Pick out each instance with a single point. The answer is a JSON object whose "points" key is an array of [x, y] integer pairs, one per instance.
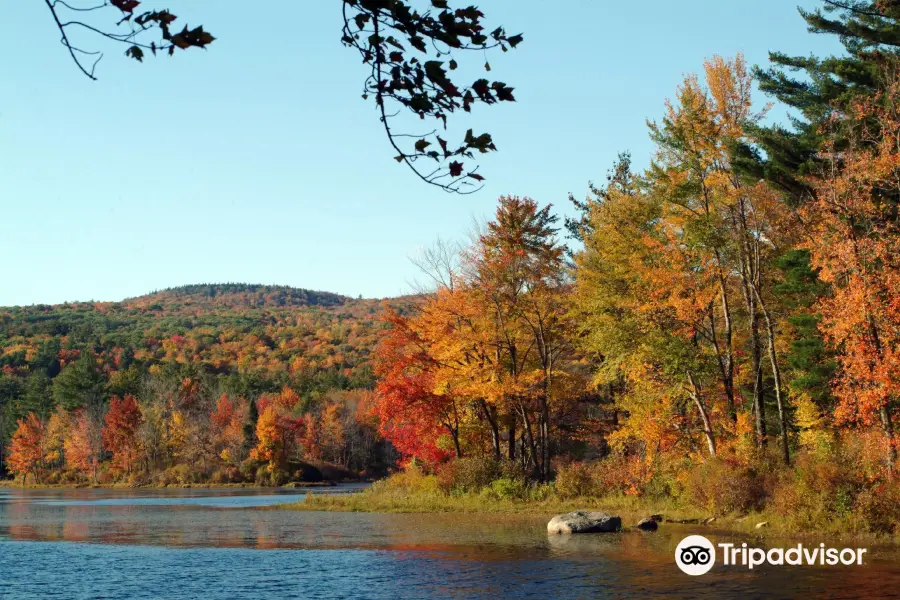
{"points": [[396, 496], [386, 499]]}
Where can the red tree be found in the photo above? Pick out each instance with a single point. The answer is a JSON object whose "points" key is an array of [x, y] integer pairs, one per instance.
{"points": [[408, 411], [120, 433]]}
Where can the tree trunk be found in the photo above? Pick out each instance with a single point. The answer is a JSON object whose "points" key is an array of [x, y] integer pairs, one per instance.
{"points": [[759, 409], [776, 375], [495, 429], [704, 417], [888, 426], [511, 441], [728, 369]]}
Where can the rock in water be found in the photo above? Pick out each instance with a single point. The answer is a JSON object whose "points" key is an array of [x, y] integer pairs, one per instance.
{"points": [[648, 524], [583, 521]]}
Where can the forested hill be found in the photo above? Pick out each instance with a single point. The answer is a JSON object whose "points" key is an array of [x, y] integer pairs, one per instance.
{"points": [[236, 295], [256, 338]]}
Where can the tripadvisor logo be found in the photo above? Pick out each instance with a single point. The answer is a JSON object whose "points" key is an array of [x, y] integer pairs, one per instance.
{"points": [[696, 555]]}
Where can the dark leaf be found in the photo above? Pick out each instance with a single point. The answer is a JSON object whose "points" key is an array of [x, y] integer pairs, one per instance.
{"points": [[136, 53]]}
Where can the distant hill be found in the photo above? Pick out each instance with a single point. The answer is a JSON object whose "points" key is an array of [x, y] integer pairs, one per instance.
{"points": [[272, 335], [238, 295]]}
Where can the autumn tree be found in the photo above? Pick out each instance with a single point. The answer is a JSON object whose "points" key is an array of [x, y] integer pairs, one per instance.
{"points": [[54, 437], [486, 357], [228, 423], [26, 452], [411, 54], [120, 433], [636, 339], [408, 410], [83, 444], [270, 435], [719, 224], [854, 241], [517, 268]]}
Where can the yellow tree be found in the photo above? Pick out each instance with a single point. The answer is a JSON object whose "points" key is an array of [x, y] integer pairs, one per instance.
{"points": [[55, 436], [718, 233], [641, 339]]}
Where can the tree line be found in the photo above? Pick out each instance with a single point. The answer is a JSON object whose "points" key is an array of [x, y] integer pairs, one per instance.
{"points": [[733, 304]]}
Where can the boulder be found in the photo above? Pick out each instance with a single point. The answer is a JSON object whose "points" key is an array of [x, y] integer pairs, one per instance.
{"points": [[648, 524], [583, 521]]}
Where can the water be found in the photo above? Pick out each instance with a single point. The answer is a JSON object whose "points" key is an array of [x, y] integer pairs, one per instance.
{"points": [[187, 544]]}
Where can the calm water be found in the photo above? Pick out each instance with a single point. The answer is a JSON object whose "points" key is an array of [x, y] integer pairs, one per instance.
{"points": [[187, 544]]}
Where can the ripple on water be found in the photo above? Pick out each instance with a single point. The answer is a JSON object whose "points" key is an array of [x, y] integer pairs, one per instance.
{"points": [[173, 544]]}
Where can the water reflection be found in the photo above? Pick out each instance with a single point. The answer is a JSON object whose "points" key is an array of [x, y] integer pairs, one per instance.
{"points": [[228, 543]]}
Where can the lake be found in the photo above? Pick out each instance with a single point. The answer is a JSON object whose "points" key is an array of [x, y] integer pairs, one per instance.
{"points": [[230, 543]]}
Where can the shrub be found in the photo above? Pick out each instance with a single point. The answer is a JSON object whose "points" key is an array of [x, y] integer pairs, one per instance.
{"points": [[227, 474], [473, 474], [410, 481], [177, 475], [248, 469], [877, 508], [506, 488], [722, 488], [819, 488], [574, 480]]}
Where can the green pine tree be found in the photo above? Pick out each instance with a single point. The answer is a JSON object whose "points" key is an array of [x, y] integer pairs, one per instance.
{"points": [[815, 87]]}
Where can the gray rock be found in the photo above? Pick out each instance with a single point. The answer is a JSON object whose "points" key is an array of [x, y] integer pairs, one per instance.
{"points": [[583, 521], [648, 524]]}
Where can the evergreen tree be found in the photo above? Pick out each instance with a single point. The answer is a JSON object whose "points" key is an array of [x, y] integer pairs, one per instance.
{"points": [[80, 384], [870, 33], [37, 396], [812, 364]]}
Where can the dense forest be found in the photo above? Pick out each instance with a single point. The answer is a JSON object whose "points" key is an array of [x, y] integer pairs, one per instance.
{"points": [[721, 327], [183, 374]]}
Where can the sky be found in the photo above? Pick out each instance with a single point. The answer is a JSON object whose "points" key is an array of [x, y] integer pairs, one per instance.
{"points": [[257, 160]]}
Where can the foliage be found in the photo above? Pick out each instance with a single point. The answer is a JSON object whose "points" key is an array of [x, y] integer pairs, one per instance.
{"points": [[25, 451], [409, 51], [723, 488], [120, 433]]}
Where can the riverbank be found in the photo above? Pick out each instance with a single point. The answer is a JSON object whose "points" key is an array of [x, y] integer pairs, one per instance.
{"points": [[396, 495]]}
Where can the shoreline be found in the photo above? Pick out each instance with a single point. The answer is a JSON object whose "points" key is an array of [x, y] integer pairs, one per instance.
{"points": [[630, 510], [172, 486]]}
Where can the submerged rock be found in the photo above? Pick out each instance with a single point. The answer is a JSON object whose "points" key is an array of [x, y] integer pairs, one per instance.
{"points": [[583, 521], [648, 524]]}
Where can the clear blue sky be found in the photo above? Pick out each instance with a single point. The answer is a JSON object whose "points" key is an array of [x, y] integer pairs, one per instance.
{"points": [[257, 161]]}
